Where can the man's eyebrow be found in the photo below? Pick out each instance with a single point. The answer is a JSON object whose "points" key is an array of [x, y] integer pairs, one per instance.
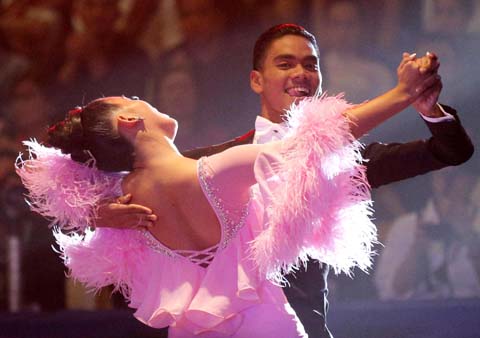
{"points": [[311, 58], [283, 57]]}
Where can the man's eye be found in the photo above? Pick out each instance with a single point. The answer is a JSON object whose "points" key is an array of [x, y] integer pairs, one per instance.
{"points": [[311, 66], [284, 65]]}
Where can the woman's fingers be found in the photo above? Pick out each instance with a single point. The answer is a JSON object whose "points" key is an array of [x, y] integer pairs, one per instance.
{"points": [[117, 215], [145, 221], [125, 199], [129, 208]]}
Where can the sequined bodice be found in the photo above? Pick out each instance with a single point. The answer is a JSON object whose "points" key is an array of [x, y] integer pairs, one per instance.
{"points": [[231, 221]]}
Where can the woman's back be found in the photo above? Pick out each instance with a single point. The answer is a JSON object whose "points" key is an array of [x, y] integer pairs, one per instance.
{"points": [[187, 220]]}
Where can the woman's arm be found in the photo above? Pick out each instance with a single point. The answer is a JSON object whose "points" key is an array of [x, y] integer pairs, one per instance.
{"points": [[415, 77], [233, 169]]}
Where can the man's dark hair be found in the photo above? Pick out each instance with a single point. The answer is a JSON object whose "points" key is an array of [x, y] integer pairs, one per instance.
{"points": [[276, 32]]}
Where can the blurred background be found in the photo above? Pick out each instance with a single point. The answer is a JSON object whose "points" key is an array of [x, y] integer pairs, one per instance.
{"points": [[191, 59]]}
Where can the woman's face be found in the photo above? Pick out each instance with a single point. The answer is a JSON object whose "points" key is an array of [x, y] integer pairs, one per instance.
{"points": [[152, 118]]}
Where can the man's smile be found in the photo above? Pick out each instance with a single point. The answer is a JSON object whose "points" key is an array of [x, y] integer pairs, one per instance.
{"points": [[298, 91]]}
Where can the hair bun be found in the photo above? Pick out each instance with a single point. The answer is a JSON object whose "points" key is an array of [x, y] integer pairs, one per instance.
{"points": [[67, 135]]}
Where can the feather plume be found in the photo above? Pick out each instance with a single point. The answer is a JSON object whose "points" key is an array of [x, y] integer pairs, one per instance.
{"points": [[103, 257], [65, 191], [318, 205]]}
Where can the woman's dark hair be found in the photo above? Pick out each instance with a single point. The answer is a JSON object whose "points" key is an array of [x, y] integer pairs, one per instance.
{"points": [[89, 131]]}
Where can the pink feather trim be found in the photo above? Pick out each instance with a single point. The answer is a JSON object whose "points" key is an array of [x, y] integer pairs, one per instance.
{"points": [[64, 190], [103, 257], [318, 205]]}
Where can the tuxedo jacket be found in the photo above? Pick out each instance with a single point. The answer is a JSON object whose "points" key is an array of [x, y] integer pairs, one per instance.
{"points": [[448, 145]]}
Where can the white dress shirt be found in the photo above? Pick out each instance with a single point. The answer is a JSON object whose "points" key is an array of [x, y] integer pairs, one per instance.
{"points": [[266, 131]]}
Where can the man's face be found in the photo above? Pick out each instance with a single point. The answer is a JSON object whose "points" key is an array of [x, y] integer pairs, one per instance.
{"points": [[289, 73]]}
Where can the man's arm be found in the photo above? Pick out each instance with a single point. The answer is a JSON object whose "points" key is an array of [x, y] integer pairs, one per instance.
{"points": [[218, 148], [449, 145]]}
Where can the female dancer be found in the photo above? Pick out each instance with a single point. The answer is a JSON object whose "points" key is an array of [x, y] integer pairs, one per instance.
{"points": [[231, 224]]}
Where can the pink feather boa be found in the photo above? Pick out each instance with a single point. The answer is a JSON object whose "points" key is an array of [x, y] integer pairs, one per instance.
{"points": [[64, 190], [68, 192], [318, 205], [104, 257]]}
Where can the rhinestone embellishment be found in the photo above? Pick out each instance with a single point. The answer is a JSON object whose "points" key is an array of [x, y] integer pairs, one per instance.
{"points": [[229, 226]]}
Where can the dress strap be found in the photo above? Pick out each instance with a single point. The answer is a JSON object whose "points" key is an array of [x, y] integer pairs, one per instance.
{"points": [[231, 217]]}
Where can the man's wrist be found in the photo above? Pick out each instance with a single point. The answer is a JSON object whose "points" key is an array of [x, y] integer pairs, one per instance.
{"points": [[445, 116], [435, 112]]}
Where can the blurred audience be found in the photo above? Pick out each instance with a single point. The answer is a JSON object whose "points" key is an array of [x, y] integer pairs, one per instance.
{"points": [[177, 95], [346, 63], [100, 59], [219, 63], [272, 12], [162, 32], [434, 253], [26, 108], [449, 18], [36, 30]]}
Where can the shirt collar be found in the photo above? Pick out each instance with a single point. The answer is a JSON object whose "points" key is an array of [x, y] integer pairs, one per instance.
{"points": [[266, 131]]}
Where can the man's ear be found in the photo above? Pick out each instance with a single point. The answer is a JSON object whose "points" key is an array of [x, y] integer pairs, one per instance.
{"points": [[256, 81]]}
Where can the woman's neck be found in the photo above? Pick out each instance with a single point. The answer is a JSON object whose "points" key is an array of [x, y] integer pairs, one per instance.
{"points": [[154, 150]]}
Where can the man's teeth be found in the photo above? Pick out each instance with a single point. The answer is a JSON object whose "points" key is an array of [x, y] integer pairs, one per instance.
{"points": [[298, 91]]}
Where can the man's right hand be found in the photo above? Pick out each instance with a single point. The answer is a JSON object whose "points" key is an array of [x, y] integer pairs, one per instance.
{"points": [[122, 215], [426, 103]]}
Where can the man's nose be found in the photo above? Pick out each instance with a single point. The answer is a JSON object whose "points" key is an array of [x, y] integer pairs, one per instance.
{"points": [[299, 72]]}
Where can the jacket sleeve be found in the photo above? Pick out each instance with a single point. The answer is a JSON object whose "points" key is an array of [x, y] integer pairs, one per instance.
{"points": [[217, 148], [449, 145]]}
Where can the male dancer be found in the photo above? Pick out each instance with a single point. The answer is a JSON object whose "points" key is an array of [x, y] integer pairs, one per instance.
{"points": [[286, 69]]}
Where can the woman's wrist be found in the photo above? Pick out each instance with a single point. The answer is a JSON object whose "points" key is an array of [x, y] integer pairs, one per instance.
{"points": [[404, 94]]}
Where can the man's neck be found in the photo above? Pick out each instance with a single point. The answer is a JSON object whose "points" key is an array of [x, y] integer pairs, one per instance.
{"points": [[272, 117]]}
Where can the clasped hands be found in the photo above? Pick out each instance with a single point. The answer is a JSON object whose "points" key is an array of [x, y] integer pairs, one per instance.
{"points": [[419, 79]]}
